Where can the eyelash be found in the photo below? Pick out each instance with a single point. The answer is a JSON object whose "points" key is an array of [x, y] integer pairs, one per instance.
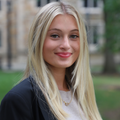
{"points": [[74, 36], [55, 36]]}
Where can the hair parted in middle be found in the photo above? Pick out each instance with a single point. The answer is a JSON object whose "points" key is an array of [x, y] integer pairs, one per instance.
{"points": [[78, 75]]}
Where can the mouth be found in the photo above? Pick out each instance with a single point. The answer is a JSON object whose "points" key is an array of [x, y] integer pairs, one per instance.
{"points": [[64, 54]]}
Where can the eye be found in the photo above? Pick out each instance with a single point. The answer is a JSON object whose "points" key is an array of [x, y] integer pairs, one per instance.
{"points": [[54, 36], [74, 36]]}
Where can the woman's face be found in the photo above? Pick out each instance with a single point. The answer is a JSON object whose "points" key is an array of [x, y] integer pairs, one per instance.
{"points": [[62, 44]]}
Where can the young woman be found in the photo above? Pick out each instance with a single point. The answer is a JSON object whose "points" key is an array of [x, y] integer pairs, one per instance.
{"points": [[58, 82]]}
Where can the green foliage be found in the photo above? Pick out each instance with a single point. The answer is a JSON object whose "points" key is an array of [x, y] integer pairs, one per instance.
{"points": [[112, 24]]}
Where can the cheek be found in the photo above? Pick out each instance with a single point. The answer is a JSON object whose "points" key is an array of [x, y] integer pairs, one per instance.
{"points": [[48, 48], [45, 48], [47, 45], [76, 47], [76, 50]]}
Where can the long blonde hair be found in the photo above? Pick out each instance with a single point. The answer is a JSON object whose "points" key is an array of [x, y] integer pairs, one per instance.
{"points": [[78, 75]]}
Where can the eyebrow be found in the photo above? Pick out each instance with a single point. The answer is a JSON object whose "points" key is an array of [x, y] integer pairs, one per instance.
{"points": [[61, 30]]}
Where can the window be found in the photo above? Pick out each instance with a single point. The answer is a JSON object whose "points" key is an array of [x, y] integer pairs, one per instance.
{"points": [[41, 3], [85, 3], [38, 3], [95, 3], [90, 3], [95, 35], [92, 34], [48, 1]]}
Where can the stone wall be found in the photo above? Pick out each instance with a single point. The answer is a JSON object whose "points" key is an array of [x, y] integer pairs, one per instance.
{"points": [[21, 16]]}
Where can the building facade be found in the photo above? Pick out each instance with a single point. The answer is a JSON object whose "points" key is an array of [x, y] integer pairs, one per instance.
{"points": [[15, 20]]}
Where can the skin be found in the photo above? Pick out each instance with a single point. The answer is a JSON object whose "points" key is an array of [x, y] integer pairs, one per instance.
{"points": [[61, 47]]}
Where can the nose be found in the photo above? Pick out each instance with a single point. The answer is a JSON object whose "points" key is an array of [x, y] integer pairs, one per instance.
{"points": [[65, 43]]}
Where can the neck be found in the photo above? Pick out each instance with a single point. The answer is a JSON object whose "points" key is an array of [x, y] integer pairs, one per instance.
{"points": [[59, 76]]}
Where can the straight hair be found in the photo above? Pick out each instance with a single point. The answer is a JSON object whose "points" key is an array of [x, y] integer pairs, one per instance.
{"points": [[78, 75]]}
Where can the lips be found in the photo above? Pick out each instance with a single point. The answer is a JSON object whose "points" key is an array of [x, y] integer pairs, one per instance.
{"points": [[64, 55]]}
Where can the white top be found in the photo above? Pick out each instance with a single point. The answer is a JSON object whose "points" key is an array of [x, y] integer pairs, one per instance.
{"points": [[72, 109]]}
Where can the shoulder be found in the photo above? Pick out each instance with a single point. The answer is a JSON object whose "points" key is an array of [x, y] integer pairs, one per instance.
{"points": [[22, 90], [18, 101]]}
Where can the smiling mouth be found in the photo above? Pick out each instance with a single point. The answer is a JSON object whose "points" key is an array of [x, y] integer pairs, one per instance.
{"points": [[64, 55]]}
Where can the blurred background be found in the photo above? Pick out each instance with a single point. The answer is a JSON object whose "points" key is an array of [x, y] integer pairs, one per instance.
{"points": [[102, 19]]}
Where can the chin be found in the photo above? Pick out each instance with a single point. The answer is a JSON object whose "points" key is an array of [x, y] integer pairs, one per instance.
{"points": [[65, 65]]}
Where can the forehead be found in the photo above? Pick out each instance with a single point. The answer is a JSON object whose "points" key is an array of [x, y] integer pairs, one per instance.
{"points": [[64, 21]]}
